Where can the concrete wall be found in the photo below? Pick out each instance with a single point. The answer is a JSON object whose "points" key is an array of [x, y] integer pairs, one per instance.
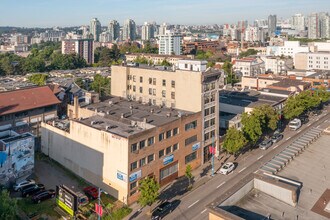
{"points": [[239, 194], [301, 61], [97, 162], [275, 190]]}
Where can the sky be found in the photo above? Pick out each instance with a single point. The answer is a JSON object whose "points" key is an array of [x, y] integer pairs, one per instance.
{"points": [[64, 13]]}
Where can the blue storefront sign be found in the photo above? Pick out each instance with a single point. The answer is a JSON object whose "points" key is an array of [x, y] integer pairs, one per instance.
{"points": [[196, 146], [121, 176], [168, 159], [135, 176]]}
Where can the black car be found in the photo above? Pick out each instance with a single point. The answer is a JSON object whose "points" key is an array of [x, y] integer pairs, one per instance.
{"points": [[277, 137], [304, 119], [316, 112], [43, 195], [31, 190], [163, 209]]}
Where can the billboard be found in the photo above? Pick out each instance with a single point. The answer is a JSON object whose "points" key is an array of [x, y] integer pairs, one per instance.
{"points": [[66, 199]]}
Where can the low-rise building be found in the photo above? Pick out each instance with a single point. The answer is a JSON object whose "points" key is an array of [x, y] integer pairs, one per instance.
{"points": [[249, 66], [313, 61], [277, 65], [115, 143], [157, 58]]}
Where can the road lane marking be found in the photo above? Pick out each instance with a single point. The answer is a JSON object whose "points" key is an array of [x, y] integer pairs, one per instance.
{"points": [[326, 121], [221, 184], [275, 147], [255, 171], [318, 126], [193, 204], [299, 131], [288, 138], [242, 170], [260, 157], [309, 125], [203, 211]]}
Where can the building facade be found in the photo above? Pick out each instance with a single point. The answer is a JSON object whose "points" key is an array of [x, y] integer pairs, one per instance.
{"points": [[116, 143], [272, 20], [313, 61], [114, 30], [156, 58], [249, 66], [82, 47], [95, 29], [148, 32], [298, 22], [129, 30], [170, 44], [313, 26]]}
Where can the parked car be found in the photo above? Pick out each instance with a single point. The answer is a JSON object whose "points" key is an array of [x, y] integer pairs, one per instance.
{"points": [[295, 124], [316, 112], [277, 137], [266, 144], [165, 208], [43, 195], [227, 168], [32, 189], [18, 186], [91, 192], [82, 199]]}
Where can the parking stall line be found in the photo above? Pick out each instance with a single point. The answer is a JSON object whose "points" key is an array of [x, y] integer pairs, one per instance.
{"points": [[309, 125], [242, 170], [275, 146], [299, 131], [260, 157], [193, 204], [288, 138], [221, 184], [203, 211]]}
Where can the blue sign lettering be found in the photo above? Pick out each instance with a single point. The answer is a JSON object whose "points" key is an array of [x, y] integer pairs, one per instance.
{"points": [[168, 159]]}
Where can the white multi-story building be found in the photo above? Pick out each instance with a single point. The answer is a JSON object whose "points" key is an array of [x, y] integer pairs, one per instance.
{"points": [[313, 61], [298, 22], [249, 66], [129, 30], [277, 65], [170, 44], [313, 26], [114, 30], [105, 37], [147, 31], [253, 34], [324, 25], [82, 47], [271, 24], [95, 29], [163, 28]]}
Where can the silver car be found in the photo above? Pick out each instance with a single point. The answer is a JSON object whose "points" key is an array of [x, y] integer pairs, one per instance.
{"points": [[266, 144], [18, 186]]}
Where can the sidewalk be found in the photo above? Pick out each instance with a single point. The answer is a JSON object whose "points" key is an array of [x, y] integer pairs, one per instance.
{"points": [[178, 188]]}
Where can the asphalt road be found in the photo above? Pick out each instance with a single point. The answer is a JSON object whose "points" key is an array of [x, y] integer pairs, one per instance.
{"points": [[193, 205]]}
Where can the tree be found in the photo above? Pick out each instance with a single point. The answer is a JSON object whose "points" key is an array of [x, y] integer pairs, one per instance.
{"points": [[148, 191], [80, 82], [292, 108], [101, 85], [247, 53], [188, 174], [165, 63], [267, 116], [251, 126], [38, 79], [8, 206], [234, 141]]}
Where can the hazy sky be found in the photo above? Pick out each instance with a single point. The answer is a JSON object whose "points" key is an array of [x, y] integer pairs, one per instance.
{"points": [[49, 13]]}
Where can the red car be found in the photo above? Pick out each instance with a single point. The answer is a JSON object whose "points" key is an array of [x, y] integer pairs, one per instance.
{"points": [[91, 192]]}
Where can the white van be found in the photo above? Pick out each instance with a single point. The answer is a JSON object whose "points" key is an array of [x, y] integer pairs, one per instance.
{"points": [[295, 124]]}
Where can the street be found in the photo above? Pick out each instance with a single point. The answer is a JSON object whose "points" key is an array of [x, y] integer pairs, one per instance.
{"points": [[193, 204]]}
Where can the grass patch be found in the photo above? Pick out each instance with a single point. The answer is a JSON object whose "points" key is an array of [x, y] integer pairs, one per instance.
{"points": [[45, 207], [118, 214]]}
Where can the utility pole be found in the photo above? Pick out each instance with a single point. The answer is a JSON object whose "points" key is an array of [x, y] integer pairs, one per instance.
{"points": [[213, 152], [98, 216]]}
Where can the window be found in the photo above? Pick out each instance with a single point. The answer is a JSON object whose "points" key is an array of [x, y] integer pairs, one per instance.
{"points": [[134, 80], [151, 141], [168, 150], [175, 147], [191, 125], [150, 91], [185, 65], [163, 93], [154, 81], [161, 136], [173, 84], [142, 162], [134, 88], [154, 91], [206, 124], [134, 147], [133, 185], [212, 121], [128, 87], [206, 136], [142, 144], [132, 192], [164, 82], [150, 81], [172, 95], [141, 79], [175, 131], [161, 153], [133, 165], [212, 133], [168, 134], [212, 110], [150, 158], [190, 140], [191, 157], [207, 112], [168, 171]]}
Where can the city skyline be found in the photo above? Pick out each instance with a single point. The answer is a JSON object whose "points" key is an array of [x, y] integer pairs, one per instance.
{"points": [[74, 13]]}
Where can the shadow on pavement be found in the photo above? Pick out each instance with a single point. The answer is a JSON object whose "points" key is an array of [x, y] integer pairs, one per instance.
{"points": [[178, 188]]}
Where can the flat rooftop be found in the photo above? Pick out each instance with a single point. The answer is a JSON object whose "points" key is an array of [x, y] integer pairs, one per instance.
{"points": [[248, 98], [125, 118], [311, 168]]}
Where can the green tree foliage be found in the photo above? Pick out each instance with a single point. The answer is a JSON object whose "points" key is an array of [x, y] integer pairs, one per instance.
{"points": [[267, 116], [142, 60], [165, 63], [247, 53], [80, 82], [103, 56], [234, 141], [227, 68], [304, 101], [148, 191], [202, 55], [11, 64], [8, 206], [188, 173], [66, 61], [148, 48], [101, 85], [48, 44], [251, 126], [38, 79]]}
